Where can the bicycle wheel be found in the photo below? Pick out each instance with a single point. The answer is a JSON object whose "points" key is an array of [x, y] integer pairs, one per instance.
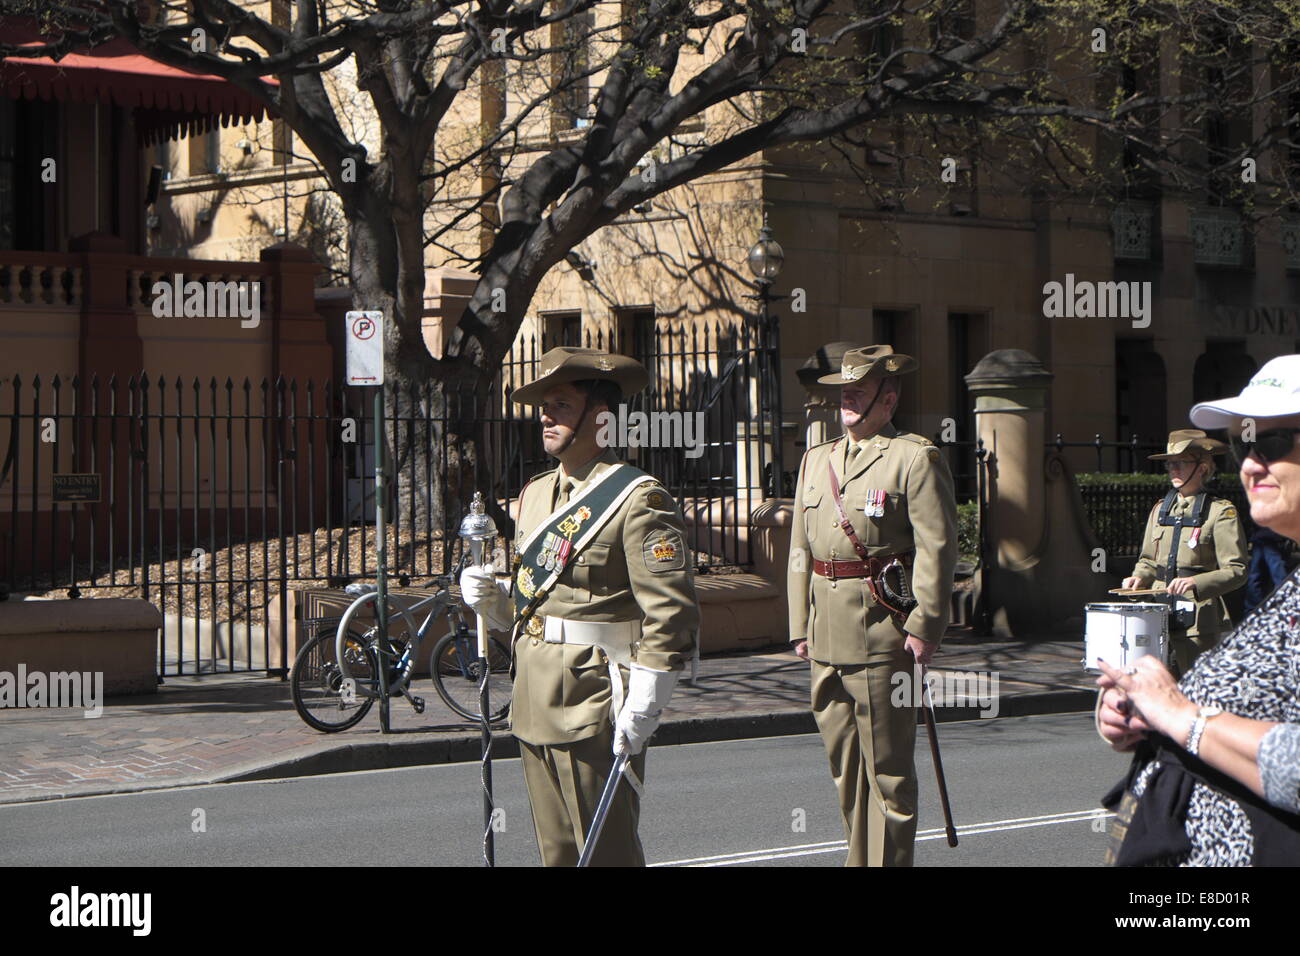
{"points": [[456, 671], [317, 682]]}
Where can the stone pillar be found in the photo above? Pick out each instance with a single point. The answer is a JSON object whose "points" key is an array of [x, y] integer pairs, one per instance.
{"points": [[1039, 542], [822, 408], [109, 345], [299, 347], [301, 352]]}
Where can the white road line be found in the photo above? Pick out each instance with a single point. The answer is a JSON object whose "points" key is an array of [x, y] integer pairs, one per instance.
{"points": [[812, 849]]}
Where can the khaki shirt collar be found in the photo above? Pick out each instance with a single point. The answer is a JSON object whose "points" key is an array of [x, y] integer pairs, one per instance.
{"points": [[607, 456]]}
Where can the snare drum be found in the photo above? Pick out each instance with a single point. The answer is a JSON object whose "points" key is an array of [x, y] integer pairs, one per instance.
{"points": [[1121, 633]]}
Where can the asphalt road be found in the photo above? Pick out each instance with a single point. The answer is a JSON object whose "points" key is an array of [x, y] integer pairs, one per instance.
{"points": [[1024, 790]]}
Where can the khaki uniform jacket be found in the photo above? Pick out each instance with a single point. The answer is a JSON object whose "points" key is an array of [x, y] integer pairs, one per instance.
{"points": [[840, 620], [1217, 565], [562, 692]]}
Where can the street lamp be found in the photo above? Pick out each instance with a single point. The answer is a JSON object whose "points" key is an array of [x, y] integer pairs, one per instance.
{"points": [[765, 260]]}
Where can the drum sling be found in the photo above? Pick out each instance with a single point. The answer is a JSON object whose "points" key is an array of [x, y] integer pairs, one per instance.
{"points": [[1184, 618]]}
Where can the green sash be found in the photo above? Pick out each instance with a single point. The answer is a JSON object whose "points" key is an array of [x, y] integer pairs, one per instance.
{"points": [[557, 540]]}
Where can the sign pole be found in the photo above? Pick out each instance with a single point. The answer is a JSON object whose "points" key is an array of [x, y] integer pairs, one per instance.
{"points": [[381, 571], [365, 366]]}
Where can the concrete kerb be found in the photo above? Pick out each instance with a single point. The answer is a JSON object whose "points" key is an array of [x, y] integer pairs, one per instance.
{"points": [[408, 749]]}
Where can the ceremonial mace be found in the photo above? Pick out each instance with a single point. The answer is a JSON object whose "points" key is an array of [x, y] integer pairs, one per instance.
{"points": [[476, 529]]}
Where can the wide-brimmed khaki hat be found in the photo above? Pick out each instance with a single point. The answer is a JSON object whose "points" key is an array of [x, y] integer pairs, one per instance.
{"points": [[1190, 443], [880, 361], [569, 364]]}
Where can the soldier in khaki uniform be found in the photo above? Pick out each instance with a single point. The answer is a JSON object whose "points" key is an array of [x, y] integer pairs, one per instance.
{"points": [[897, 496], [598, 649], [1211, 555]]}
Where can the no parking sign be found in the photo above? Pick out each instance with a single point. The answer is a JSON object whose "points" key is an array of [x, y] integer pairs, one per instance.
{"points": [[365, 365]]}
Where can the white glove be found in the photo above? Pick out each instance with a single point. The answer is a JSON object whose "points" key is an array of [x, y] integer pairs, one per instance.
{"points": [[647, 695], [485, 595]]}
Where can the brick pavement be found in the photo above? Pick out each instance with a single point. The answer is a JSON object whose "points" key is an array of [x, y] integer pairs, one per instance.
{"points": [[221, 727]]}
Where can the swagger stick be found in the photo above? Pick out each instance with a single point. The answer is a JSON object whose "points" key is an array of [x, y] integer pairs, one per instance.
{"points": [[476, 529], [928, 709]]}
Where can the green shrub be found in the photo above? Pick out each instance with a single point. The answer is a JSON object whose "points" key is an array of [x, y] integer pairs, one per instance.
{"points": [[968, 532]]}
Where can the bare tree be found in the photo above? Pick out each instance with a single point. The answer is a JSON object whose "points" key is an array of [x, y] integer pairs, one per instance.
{"points": [[1066, 96]]}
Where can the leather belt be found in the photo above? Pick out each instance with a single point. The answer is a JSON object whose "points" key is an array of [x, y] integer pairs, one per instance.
{"points": [[869, 568]]}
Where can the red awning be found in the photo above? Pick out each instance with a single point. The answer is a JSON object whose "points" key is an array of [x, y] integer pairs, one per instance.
{"points": [[169, 101]]}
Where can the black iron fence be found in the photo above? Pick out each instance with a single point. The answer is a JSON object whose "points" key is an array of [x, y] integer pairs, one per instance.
{"points": [[1118, 511], [213, 500], [1129, 455]]}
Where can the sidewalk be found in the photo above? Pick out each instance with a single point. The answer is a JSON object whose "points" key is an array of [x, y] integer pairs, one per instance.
{"points": [[244, 727]]}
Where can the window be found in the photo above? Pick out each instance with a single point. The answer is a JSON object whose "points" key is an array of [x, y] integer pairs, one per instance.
{"points": [[896, 327], [968, 342], [573, 39], [561, 328], [1140, 401], [26, 139]]}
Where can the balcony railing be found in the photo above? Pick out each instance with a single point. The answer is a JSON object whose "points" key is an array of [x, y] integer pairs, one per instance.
{"points": [[1219, 238], [1291, 244], [1133, 228]]}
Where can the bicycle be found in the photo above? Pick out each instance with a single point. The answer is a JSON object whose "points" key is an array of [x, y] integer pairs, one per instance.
{"points": [[334, 682]]}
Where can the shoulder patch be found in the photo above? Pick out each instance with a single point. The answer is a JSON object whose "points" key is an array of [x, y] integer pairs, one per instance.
{"points": [[1229, 511], [933, 453], [664, 550]]}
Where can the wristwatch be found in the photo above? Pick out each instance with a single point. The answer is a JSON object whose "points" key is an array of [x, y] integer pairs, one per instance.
{"points": [[1203, 714]]}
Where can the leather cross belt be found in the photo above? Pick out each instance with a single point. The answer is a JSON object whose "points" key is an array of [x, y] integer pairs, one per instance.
{"points": [[869, 568]]}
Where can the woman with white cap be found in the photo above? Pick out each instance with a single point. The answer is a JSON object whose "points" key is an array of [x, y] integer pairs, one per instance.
{"points": [[1194, 545], [1216, 775]]}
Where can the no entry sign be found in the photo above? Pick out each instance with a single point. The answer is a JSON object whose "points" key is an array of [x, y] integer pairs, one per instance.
{"points": [[365, 348]]}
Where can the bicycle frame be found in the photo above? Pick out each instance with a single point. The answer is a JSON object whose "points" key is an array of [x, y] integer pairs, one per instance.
{"points": [[442, 602]]}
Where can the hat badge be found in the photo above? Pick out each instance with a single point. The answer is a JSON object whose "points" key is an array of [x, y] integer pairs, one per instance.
{"points": [[850, 372], [604, 364], [891, 364]]}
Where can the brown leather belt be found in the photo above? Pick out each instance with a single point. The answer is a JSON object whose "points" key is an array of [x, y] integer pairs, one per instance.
{"points": [[869, 568]]}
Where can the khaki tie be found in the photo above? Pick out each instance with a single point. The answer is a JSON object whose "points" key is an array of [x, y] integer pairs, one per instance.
{"points": [[851, 455], [566, 489]]}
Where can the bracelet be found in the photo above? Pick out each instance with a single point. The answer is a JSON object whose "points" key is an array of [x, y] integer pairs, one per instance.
{"points": [[1194, 736]]}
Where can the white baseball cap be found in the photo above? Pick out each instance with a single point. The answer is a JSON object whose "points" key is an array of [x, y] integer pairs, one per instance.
{"points": [[1272, 393]]}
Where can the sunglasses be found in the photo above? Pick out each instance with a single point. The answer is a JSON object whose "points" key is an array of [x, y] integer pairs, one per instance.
{"points": [[1268, 447]]}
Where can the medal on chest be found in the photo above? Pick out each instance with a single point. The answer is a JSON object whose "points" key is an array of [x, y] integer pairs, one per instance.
{"points": [[874, 505], [1194, 537]]}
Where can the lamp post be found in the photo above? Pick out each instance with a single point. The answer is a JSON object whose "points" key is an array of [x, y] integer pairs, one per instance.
{"points": [[765, 260]]}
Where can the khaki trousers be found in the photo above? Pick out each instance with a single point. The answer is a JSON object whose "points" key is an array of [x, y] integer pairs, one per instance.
{"points": [[871, 746], [1186, 649], [565, 782]]}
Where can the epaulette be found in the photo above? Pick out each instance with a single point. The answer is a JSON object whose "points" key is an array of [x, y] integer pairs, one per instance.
{"points": [[540, 474], [829, 441], [919, 439], [656, 495]]}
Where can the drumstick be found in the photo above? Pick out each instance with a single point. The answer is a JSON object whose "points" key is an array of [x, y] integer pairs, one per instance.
{"points": [[1136, 591]]}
